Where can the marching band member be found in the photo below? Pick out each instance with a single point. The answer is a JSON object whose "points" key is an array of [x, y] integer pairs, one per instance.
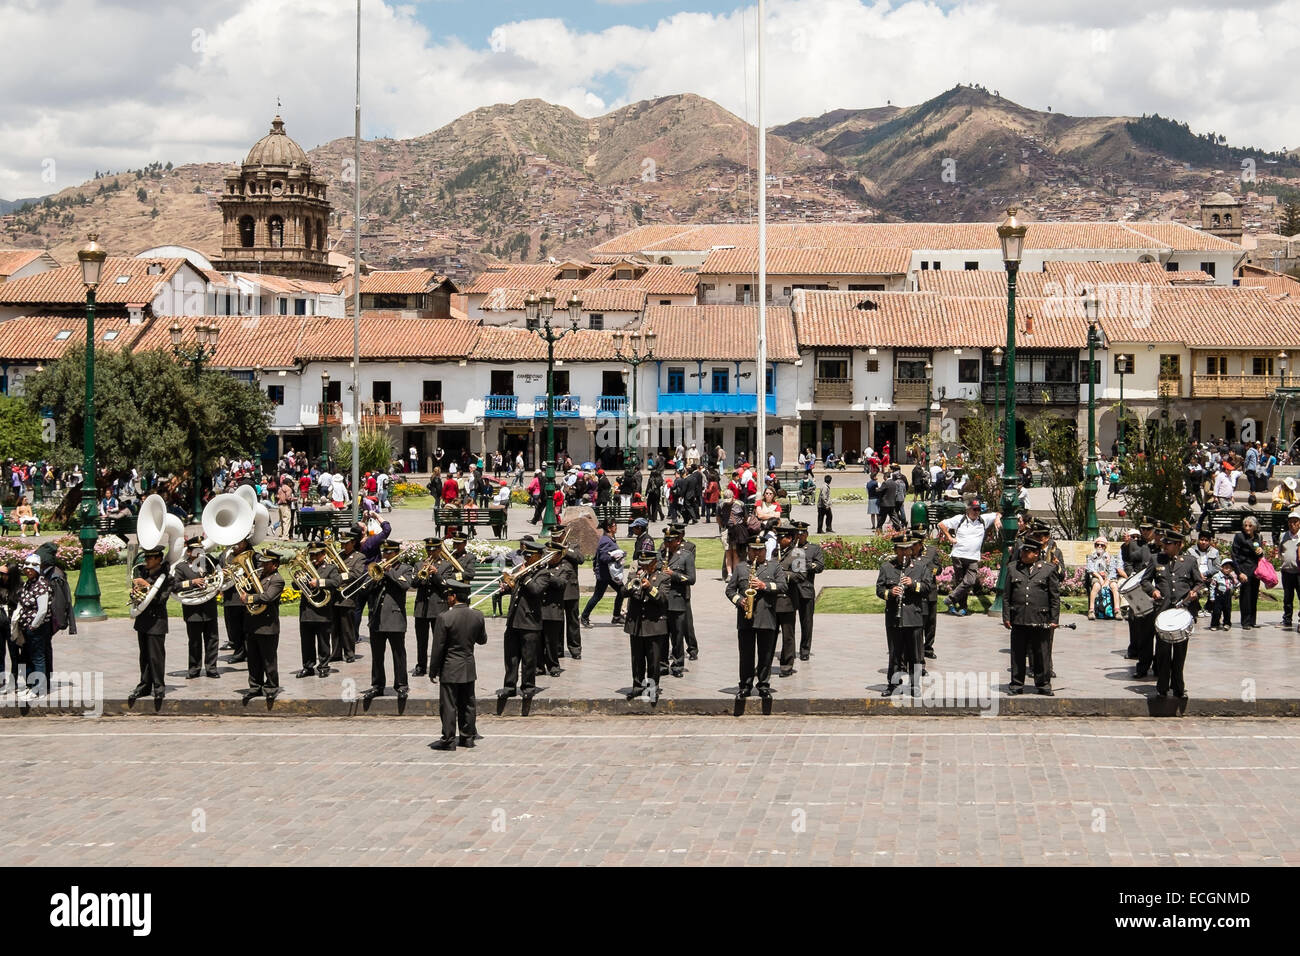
{"points": [[262, 630], [905, 583], [232, 611], [680, 566], [150, 623], [524, 627], [200, 619], [387, 605], [344, 647], [1031, 610], [815, 563], [647, 625], [456, 631], [315, 623], [1178, 582], [756, 616]]}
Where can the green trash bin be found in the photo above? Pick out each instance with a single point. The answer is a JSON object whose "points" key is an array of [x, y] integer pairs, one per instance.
{"points": [[920, 516]]}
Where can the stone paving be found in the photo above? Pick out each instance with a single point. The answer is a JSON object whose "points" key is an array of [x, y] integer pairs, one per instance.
{"points": [[680, 791]]}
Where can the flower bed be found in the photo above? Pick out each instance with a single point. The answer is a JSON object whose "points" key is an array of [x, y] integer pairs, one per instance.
{"points": [[108, 551], [408, 489]]}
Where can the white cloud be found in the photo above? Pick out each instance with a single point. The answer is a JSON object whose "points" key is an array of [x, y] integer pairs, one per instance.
{"points": [[134, 83]]}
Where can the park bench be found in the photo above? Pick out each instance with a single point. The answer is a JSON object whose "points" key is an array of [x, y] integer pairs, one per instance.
{"points": [[471, 519], [1228, 520], [122, 527], [314, 522]]}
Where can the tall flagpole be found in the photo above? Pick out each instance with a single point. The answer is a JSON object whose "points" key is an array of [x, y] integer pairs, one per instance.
{"points": [[356, 292], [761, 369]]}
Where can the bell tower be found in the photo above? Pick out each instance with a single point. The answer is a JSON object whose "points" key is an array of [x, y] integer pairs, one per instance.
{"points": [[275, 216]]}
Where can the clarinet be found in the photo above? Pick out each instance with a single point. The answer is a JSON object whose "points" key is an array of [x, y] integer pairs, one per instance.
{"points": [[907, 563]]}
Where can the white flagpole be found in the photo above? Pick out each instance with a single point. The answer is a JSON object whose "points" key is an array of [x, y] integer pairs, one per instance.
{"points": [[761, 368], [356, 292]]}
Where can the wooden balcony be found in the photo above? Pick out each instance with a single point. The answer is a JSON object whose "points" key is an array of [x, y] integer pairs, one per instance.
{"points": [[1034, 393], [333, 412], [1170, 386], [1238, 386], [381, 413], [431, 413], [833, 390], [910, 390]]}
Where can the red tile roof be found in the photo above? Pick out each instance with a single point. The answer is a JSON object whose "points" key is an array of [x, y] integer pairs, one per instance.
{"points": [[35, 338], [1054, 279], [781, 262], [655, 280], [244, 341], [926, 320], [497, 344], [64, 285], [719, 332], [406, 281], [659, 239], [1211, 317], [599, 299], [11, 260], [385, 338]]}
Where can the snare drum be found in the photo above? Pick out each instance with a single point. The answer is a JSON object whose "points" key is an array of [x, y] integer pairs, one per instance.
{"points": [[1175, 625], [1140, 603]]}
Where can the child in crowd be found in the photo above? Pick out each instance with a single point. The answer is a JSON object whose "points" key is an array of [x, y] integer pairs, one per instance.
{"points": [[1222, 584]]}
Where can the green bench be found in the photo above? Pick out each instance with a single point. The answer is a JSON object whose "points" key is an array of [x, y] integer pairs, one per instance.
{"points": [[471, 519], [122, 527], [314, 523]]}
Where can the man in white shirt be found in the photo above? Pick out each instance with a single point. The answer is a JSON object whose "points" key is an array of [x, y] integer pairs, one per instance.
{"points": [[414, 455], [381, 488], [965, 532], [325, 482], [1224, 485]]}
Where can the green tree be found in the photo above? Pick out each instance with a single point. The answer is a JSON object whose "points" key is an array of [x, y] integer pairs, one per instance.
{"points": [[1290, 219], [148, 411], [1061, 455], [981, 452], [1153, 477], [20, 431], [141, 195]]}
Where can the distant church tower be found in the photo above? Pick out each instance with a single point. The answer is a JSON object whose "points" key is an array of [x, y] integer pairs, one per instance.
{"points": [[1221, 216], [274, 212]]}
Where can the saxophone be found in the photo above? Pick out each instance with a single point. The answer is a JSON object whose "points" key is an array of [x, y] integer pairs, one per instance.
{"points": [[751, 593]]}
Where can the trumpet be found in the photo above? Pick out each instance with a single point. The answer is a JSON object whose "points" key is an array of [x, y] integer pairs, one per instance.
{"points": [[511, 579], [332, 552], [303, 574]]}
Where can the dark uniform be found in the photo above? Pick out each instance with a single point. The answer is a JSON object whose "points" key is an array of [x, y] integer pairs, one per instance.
{"points": [[387, 606], [814, 564], [151, 632], [550, 648], [572, 627], [1176, 579], [524, 631], [262, 630], [1135, 555], [786, 598], [905, 613], [455, 632], [681, 575], [431, 600], [1031, 607], [647, 625], [345, 606], [931, 557], [232, 609], [315, 624], [756, 637], [200, 619]]}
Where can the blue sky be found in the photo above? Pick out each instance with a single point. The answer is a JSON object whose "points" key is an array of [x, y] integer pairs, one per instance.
{"points": [[473, 20]]}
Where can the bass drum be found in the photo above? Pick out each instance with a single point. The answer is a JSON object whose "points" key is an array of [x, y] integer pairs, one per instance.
{"points": [[1175, 625]]}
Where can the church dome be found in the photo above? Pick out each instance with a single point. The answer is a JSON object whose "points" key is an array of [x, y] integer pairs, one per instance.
{"points": [[276, 149]]}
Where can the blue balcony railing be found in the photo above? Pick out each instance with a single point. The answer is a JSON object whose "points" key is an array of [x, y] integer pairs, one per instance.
{"points": [[611, 404], [566, 406], [500, 406], [715, 403]]}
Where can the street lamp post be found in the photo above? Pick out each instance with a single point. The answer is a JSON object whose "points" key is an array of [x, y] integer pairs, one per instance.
{"points": [[1092, 307], [543, 308], [324, 418], [1011, 236], [635, 358], [204, 348], [87, 606]]}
